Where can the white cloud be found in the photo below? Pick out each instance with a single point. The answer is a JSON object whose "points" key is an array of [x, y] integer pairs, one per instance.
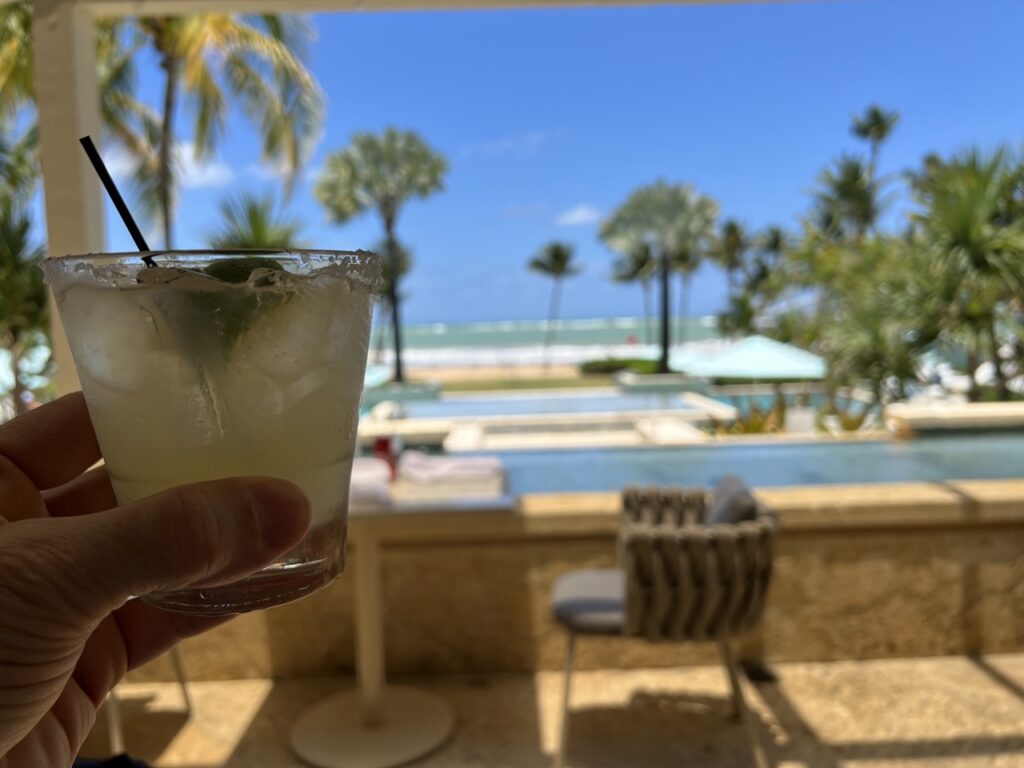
{"points": [[522, 144], [578, 216], [192, 173], [276, 170], [118, 161]]}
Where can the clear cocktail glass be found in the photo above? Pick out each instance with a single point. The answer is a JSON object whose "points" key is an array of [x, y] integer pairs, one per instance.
{"points": [[222, 364]]}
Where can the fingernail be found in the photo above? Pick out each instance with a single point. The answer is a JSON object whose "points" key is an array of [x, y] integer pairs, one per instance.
{"points": [[282, 511]]}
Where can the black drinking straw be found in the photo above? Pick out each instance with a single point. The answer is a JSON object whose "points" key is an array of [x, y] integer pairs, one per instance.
{"points": [[115, 198]]}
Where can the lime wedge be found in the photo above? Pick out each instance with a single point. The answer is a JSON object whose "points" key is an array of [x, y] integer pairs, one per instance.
{"points": [[239, 270]]}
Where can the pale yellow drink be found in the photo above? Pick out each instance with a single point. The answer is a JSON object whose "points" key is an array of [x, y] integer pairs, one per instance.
{"points": [[253, 370]]}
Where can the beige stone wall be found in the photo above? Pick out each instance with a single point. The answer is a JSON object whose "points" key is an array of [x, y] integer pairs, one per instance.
{"points": [[864, 572]]}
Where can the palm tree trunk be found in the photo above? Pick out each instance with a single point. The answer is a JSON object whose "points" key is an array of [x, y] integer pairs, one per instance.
{"points": [[382, 321], [1002, 387], [170, 66], [666, 329], [396, 326], [549, 332], [645, 286], [684, 289], [18, 389], [972, 365]]}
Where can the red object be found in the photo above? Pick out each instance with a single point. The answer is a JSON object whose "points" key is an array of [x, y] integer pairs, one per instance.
{"points": [[382, 449], [631, 339]]}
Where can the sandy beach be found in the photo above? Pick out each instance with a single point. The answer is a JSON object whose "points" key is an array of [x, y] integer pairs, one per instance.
{"points": [[456, 373]]}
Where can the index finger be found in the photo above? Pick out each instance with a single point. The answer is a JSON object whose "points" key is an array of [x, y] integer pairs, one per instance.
{"points": [[51, 444]]}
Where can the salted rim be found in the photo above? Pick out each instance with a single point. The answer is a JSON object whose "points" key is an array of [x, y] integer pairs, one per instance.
{"points": [[211, 252], [359, 267]]}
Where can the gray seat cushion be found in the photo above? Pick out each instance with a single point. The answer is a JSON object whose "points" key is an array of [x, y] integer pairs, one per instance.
{"points": [[731, 503], [590, 601]]}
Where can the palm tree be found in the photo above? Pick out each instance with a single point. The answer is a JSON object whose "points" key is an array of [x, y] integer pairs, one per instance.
{"points": [[554, 260], [874, 127], [847, 203], [18, 171], [672, 220], [876, 328], [392, 271], [248, 221], [209, 57], [697, 224], [16, 86], [124, 119], [979, 249], [730, 250], [381, 172], [685, 262], [23, 308], [638, 265], [762, 276]]}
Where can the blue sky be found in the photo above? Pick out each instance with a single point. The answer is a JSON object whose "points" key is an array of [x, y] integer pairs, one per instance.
{"points": [[550, 117]]}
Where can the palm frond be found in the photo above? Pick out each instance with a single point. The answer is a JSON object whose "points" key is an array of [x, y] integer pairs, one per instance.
{"points": [[249, 221], [554, 260]]}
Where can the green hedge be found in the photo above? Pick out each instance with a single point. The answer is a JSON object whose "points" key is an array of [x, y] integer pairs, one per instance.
{"points": [[616, 364]]}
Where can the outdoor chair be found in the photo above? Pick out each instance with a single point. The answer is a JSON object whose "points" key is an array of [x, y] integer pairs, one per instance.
{"points": [[693, 567]]}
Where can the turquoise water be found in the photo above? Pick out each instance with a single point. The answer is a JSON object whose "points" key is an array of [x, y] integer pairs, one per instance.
{"points": [[549, 403], [526, 333], [937, 459]]}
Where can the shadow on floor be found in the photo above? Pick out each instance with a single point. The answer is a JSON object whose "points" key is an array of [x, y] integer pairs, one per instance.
{"points": [[147, 732], [997, 676], [804, 745], [660, 729]]}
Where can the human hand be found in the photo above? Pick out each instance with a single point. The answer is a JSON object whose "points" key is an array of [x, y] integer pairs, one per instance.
{"points": [[71, 563]]}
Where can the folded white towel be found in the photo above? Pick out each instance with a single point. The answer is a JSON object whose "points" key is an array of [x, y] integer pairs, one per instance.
{"points": [[371, 479], [418, 467]]}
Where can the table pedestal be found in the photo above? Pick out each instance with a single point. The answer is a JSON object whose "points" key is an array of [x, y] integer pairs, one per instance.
{"points": [[333, 734], [377, 726]]}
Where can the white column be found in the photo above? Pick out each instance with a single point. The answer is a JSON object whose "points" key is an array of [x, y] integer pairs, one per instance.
{"points": [[68, 99]]}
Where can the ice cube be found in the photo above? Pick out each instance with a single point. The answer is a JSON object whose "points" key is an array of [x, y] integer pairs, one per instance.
{"points": [[348, 331], [283, 341], [109, 330]]}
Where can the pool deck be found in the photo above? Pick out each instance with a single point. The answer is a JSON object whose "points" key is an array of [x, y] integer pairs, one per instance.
{"points": [[909, 418], [525, 431], [951, 712]]}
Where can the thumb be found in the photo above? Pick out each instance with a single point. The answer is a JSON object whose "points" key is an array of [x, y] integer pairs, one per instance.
{"points": [[207, 533]]}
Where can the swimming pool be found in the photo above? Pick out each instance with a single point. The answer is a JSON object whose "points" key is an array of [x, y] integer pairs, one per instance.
{"points": [[470, 406], [933, 459]]}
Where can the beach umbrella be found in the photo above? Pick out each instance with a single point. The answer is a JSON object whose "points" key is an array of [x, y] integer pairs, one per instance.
{"points": [[376, 375], [757, 358]]}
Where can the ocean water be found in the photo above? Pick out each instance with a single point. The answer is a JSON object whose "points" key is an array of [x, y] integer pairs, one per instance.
{"points": [[521, 342]]}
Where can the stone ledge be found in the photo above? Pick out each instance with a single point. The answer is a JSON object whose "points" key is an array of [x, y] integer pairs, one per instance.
{"points": [[841, 507]]}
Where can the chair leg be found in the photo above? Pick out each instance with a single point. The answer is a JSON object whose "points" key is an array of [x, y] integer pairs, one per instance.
{"points": [[563, 734], [179, 671], [114, 724], [740, 705]]}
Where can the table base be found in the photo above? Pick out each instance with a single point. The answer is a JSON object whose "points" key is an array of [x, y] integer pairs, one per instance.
{"points": [[333, 733]]}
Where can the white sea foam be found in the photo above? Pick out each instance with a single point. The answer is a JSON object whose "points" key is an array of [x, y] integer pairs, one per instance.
{"points": [[558, 354]]}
